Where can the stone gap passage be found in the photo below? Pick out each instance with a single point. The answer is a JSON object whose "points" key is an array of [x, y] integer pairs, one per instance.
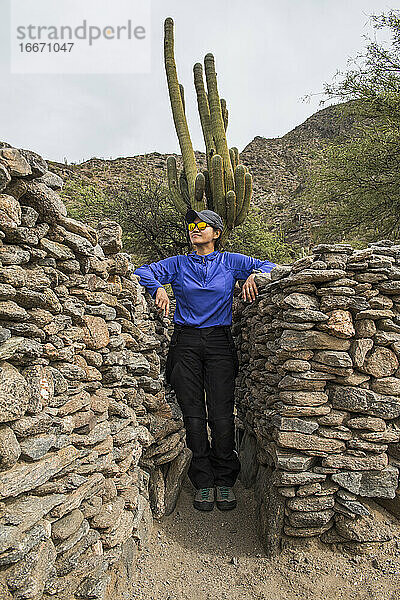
{"points": [[92, 445]]}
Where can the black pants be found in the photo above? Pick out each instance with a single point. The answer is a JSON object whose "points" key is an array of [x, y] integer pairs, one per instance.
{"points": [[205, 359]]}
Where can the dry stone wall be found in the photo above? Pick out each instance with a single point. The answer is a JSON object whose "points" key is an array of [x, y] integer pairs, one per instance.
{"points": [[90, 449], [318, 394]]}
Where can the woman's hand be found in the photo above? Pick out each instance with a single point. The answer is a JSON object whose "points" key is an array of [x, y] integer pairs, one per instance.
{"points": [[162, 300], [249, 290]]}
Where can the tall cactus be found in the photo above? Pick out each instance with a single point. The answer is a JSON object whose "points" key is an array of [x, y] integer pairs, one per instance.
{"points": [[225, 186]]}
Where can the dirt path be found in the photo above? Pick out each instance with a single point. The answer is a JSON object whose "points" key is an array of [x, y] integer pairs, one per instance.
{"points": [[218, 556]]}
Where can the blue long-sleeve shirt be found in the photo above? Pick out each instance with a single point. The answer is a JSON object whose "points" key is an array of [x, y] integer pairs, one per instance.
{"points": [[202, 285]]}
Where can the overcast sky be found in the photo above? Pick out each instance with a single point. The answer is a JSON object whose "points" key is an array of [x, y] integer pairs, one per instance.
{"points": [[269, 54]]}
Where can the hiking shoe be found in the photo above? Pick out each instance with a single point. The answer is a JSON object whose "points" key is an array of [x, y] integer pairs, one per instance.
{"points": [[204, 499], [226, 499]]}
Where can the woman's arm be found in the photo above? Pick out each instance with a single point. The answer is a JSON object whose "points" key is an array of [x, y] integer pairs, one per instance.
{"points": [[242, 266], [157, 274]]}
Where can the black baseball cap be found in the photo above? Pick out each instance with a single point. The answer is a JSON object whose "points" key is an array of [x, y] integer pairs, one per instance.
{"points": [[208, 216]]}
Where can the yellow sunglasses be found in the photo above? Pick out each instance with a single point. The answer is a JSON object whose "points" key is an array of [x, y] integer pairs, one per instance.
{"points": [[202, 225]]}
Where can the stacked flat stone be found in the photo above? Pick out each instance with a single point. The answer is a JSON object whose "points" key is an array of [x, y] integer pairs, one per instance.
{"points": [[318, 394], [90, 450]]}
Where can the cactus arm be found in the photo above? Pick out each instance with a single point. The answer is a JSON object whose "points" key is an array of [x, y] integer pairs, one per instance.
{"points": [[248, 180], [224, 111], [229, 223], [230, 210], [217, 122], [178, 112], [182, 93], [208, 190], [176, 196], [232, 157], [204, 112], [218, 185], [240, 174], [199, 186], [183, 185]]}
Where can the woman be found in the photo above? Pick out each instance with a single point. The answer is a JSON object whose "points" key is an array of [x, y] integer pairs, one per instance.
{"points": [[202, 354]]}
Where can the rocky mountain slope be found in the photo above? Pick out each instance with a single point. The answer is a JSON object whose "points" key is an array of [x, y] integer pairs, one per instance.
{"points": [[277, 165]]}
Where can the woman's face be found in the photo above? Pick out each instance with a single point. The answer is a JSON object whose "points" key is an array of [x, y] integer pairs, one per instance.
{"points": [[209, 234]]}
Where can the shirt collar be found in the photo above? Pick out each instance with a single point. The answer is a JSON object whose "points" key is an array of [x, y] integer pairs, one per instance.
{"points": [[199, 258]]}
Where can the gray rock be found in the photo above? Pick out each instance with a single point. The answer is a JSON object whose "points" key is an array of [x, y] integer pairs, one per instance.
{"points": [[37, 446], [301, 301], [294, 340], [382, 484], [365, 401], [14, 393], [369, 423], [359, 349], [66, 544], [334, 248], [24, 477], [334, 359], [109, 236], [14, 255], [357, 508], [78, 243], [52, 180], [88, 489], [302, 398], [94, 586], [9, 448], [21, 351], [120, 531], [305, 315], [57, 250], [286, 478], [365, 328], [37, 164], [5, 334], [311, 503], [41, 384], [314, 276], [291, 461], [301, 441], [102, 310], [293, 424], [109, 514], [389, 287], [22, 514], [4, 177], [15, 162], [381, 362], [29, 216], [28, 577], [45, 201], [375, 462], [25, 542], [311, 518], [176, 473], [66, 562], [386, 385]]}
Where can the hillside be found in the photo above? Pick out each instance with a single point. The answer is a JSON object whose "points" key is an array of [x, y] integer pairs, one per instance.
{"points": [[277, 165]]}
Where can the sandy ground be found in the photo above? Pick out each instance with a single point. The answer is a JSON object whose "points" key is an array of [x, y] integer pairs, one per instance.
{"points": [[218, 555]]}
